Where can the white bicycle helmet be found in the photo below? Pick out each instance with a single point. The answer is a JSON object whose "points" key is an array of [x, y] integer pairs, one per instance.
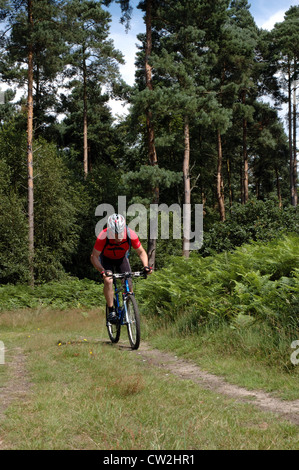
{"points": [[116, 222]]}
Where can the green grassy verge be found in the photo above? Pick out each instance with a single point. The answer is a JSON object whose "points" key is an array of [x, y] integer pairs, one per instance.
{"points": [[85, 393], [235, 314], [242, 357]]}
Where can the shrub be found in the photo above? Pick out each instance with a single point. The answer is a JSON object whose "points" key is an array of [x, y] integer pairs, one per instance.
{"points": [[255, 221], [69, 293], [258, 281]]}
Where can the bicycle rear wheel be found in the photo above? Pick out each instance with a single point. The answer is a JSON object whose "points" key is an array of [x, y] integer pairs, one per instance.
{"points": [[133, 322], [113, 329]]}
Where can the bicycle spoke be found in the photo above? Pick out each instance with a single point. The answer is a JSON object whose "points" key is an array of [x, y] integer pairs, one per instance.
{"points": [[133, 325], [131, 317], [113, 329]]}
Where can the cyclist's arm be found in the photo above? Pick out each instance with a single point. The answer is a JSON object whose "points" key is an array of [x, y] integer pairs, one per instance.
{"points": [[142, 255], [94, 258]]}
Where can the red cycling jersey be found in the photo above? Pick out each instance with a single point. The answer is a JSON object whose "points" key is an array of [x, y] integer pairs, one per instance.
{"points": [[114, 249]]}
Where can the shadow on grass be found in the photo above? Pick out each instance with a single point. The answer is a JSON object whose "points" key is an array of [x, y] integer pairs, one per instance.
{"points": [[104, 342]]}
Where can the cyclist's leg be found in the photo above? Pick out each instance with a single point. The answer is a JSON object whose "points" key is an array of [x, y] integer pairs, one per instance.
{"points": [[108, 281]]}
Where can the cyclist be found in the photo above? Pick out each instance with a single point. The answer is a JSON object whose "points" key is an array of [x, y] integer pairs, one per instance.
{"points": [[110, 254]]}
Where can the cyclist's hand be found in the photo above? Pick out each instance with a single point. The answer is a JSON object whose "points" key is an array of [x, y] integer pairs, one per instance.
{"points": [[148, 269], [105, 274]]}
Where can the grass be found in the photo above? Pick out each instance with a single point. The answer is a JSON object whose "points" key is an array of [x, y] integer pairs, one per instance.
{"points": [[68, 293], [234, 313], [244, 357], [88, 394]]}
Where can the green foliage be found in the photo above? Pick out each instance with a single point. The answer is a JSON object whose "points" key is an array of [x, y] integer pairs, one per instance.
{"points": [[13, 234], [285, 34], [203, 58], [255, 221], [48, 41], [256, 282], [56, 211], [148, 177], [68, 293], [13, 223]]}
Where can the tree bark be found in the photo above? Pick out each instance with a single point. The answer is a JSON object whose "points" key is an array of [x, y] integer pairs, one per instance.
{"points": [[220, 195], [278, 188], [85, 140], [295, 194], [30, 152], [245, 155], [229, 183], [292, 189], [152, 243], [187, 190]]}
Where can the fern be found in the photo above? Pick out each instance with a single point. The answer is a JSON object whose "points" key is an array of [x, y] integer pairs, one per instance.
{"points": [[70, 293], [257, 280]]}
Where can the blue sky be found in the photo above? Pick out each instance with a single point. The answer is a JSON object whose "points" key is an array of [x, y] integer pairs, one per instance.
{"points": [[265, 12], [268, 12]]}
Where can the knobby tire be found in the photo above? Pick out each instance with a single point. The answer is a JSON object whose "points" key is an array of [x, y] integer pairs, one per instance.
{"points": [[113, 329], [133, 320]]}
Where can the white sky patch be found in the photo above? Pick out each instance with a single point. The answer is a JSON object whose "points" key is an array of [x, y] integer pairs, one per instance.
{"points": [[278, 17], [127, 45], [118, 108]]}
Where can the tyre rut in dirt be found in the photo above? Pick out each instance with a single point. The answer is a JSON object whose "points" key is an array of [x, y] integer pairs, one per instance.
{"points": [[113, 330], [133, 324]]}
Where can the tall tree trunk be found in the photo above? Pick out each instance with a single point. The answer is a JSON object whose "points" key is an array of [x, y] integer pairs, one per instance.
{"points": [[278, 188], [245, 154], [187, 190], [295, 197], [241, 181], [292, 189], [220, 195], [152, 243], [85, 141], [257, 190], [30, 152], [37, 105], [229, 183]]}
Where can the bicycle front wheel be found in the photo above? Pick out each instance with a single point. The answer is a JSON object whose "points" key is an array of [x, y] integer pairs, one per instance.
{"points": [[133, 322], [113, 329]]}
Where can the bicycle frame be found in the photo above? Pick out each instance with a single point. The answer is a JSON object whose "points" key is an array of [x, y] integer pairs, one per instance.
{"points": [[125, 290], [126, 309], [121, 310]]}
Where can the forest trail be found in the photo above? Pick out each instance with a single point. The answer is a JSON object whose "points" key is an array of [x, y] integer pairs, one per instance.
{"points": [[187, 370], [18, 384]]}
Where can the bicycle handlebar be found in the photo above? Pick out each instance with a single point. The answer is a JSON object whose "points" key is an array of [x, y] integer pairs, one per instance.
{"points": [[127, 275]]}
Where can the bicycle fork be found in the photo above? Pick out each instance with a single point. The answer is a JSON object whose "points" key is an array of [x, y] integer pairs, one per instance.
{"points": [[125, 314], [126, 319]]}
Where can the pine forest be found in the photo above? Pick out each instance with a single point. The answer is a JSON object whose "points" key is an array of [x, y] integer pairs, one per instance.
{"points": [[204, 126]]}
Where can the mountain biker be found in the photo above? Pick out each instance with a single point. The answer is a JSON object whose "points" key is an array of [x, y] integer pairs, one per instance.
{"points": [[110, 254]]}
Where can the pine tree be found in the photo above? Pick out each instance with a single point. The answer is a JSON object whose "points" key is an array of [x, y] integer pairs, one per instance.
{"points": [[268, 143], [92, 55], [30, 38], [286, 37], [246, 40], [104, 143], [149, 8], [187, 52]]}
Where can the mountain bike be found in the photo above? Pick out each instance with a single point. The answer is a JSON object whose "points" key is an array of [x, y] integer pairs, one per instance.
{"points": [[126, 309]]}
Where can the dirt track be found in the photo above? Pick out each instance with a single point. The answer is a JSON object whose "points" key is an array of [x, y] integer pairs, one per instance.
{"points": [[189, 371], [18, 385]]}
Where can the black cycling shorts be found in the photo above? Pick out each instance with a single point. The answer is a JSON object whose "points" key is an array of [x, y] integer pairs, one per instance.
{"points": [[117, 266]]}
